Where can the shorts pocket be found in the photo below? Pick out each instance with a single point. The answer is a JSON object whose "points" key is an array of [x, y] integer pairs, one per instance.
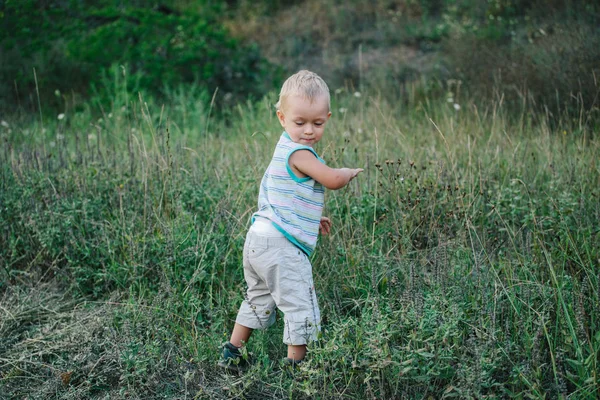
{"points": [[256, 250]]}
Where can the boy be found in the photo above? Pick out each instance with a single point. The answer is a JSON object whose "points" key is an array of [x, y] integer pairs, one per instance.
{"points": [[284, 230]]}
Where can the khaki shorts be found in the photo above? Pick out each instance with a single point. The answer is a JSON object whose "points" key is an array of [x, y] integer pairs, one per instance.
{"points": [[278, 274]]}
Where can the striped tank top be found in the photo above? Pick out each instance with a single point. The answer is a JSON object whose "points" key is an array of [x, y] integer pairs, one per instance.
{"points": [[293, 205]]}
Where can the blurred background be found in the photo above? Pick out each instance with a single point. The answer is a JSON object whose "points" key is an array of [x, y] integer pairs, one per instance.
{"points": [[543, 52]]}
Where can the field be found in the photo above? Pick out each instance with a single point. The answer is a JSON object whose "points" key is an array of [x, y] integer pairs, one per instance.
{"points": [[464, 262]]}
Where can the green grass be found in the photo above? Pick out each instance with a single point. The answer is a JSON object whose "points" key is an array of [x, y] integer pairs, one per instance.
{"points": [[464, 261]]}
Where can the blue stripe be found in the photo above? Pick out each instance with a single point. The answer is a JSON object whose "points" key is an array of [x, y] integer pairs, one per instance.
{"points": [[299, 227], [285, 191], [317, 186], [306, 219], [281, 178], [311, 202]]}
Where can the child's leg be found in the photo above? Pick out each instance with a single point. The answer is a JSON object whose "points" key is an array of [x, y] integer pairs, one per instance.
{"points": [[296, 352], [240, 335], [257, 311], [293, 291]]}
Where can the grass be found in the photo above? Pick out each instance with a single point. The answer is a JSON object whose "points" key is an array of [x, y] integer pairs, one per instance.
{"points": [[464, 261]]}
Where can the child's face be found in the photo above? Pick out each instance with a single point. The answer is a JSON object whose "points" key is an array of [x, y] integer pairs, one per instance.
{"points": [[304, 120]]}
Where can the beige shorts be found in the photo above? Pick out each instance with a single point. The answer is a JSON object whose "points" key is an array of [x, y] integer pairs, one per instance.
{"points": [[278, 274]]}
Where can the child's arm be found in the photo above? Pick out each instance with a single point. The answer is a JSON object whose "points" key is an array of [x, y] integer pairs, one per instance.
{"points": [[332, 178]]}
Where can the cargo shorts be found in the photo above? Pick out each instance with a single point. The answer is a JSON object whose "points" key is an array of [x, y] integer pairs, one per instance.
{"points": [[279, 274]]}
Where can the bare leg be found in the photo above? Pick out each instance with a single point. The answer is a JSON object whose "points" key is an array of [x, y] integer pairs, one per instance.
{"points": [[240, 334], [296, 352]]}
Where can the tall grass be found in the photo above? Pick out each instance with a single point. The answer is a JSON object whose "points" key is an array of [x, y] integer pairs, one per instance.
{"points": [[464, 262]]}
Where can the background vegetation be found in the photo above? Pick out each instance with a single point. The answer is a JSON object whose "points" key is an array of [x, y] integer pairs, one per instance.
{"points": [[464, 262], [542, 52]]}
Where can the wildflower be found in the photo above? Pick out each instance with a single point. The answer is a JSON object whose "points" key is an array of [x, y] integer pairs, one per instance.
{"points": [[564, 132], [456, 106], [57, 93], [52, 143], [4, 124], [339, 90], [61, 116], [357, 94], [59, 137], [109, 115], [91, 136], [342, 110]]}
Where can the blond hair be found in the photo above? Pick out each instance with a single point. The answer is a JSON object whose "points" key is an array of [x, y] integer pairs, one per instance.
{"points": [[304, 83]]}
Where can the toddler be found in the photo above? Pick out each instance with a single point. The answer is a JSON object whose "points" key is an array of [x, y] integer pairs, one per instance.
{"points": [[284, 230]]}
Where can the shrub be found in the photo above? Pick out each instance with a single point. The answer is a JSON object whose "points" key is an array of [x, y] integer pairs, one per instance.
{"points": [[70, 44]]}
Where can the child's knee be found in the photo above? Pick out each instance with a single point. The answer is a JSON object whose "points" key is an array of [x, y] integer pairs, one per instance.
{"points": [[256, 316]]}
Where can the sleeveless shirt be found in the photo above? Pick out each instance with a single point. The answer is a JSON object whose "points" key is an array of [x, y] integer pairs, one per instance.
{"points": [[293, 205]]}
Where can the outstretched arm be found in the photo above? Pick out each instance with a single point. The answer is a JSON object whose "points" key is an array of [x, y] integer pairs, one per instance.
{"points": [[332, 178]]}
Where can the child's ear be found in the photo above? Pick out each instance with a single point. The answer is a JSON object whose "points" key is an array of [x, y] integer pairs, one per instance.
{"points": [[281, 118]]}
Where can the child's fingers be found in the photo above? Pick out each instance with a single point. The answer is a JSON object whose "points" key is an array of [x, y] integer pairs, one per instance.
{"points": [[356, 171], [325, 225]]}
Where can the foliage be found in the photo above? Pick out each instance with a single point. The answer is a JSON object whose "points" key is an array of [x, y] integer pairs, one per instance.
{"points": [[71, 43], [464, 261], [513, 47], [244, 48]]}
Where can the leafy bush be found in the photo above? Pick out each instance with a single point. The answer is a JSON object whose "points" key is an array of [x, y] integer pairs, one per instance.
{"points": [[70, 43]]}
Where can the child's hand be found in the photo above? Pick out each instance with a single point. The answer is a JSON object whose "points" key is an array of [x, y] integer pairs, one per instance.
{"points": [[352, 172], [325, 225]]}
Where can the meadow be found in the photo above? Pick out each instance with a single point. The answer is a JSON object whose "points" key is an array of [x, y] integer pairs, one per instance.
{"points": [[463, 263]]}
